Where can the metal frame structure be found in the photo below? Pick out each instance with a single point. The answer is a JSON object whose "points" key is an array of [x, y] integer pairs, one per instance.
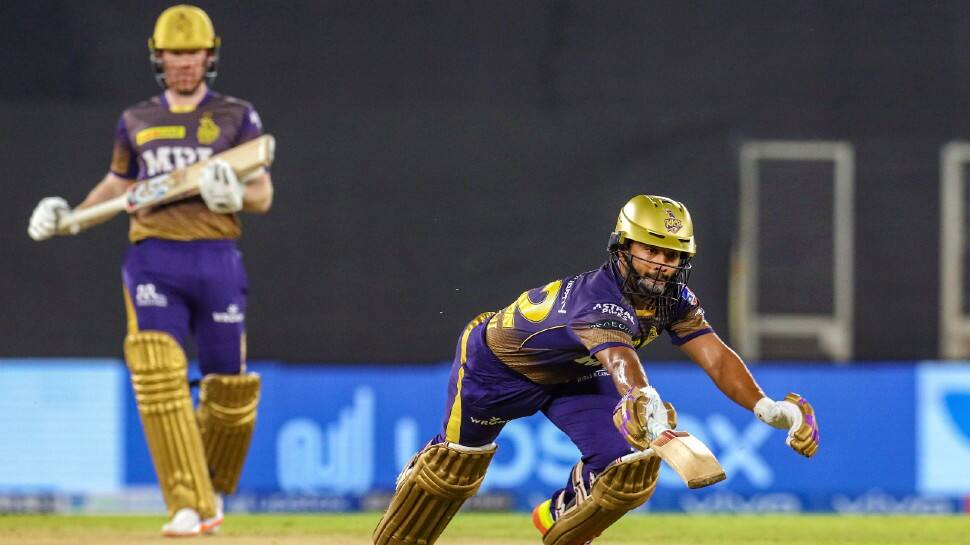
{"points": [[954, 322], [833, 331]]}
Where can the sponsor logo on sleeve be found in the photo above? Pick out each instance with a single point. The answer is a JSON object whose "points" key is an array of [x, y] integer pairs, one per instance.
{"points": [[565, 295], [615, 325], [688, 296]]}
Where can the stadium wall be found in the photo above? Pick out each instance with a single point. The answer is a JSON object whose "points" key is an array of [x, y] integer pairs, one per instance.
{"points": [[895, 438], [437, 158]]}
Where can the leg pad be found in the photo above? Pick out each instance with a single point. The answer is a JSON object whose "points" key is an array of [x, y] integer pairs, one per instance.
{"points": [[158, 375], [227, 418], [430, 491], [624, 485]]}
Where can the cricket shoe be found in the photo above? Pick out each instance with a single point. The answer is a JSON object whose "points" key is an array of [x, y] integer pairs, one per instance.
{"points": [[211, 526], [543, 519], [185, 523], [188, 523]]}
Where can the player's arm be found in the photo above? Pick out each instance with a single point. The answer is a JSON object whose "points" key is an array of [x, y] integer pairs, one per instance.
{"points": [[725, 368], [110, 187], [258, 195], [641, 415], [44, 220], [732, 377], [224, 193]]}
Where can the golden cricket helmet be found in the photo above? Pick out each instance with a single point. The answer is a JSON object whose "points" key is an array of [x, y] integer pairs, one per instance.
{"points": [[657, 221], [183, 28], [664, 223]]}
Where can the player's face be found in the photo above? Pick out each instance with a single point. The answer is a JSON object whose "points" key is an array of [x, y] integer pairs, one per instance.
{"points": [[184, 70], [654, 265]]}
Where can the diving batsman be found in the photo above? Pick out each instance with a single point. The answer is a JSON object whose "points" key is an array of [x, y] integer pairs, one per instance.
{"points": [[183, 275], [568, 349]]}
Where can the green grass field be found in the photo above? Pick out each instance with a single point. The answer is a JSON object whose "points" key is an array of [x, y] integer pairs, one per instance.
{"points": [[504, 529]]}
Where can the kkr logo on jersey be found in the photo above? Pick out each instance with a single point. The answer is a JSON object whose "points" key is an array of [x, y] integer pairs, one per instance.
{"points": [[208, 131], [168, 158]]}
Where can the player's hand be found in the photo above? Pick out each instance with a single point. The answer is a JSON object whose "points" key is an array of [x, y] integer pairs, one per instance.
{"points": [[796, 415], [43, 222], [641, 416], [220, 188]]}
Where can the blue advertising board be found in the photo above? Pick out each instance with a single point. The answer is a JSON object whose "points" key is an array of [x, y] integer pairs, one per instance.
{"points": [[895, 437]]}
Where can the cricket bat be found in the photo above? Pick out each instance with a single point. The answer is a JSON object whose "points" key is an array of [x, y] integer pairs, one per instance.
{"points": [[689, 457], [246, 160]]}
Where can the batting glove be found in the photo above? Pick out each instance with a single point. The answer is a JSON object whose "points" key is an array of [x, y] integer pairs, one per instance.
{"points": [[43, 222], [220, 188], [796, 415], [641, 416]]}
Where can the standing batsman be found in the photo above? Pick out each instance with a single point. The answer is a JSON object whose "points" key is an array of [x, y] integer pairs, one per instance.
{"points": [[183, 276], [568, 349]]}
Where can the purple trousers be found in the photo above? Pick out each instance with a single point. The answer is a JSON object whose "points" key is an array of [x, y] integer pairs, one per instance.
{"points": [[484, 394], [194, 289]]}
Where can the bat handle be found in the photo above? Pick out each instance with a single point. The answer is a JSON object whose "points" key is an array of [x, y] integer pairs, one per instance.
{"points": [[76, 220], [656, 429]]}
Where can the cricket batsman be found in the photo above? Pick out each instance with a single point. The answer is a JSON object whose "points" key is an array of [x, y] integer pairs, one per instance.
{"points": [[568, 349], [183, 276]]}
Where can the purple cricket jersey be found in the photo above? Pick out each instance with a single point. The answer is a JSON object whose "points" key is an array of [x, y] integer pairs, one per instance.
{"points": [[183, 274], [153, 138], [551, 334], [539, 354]]}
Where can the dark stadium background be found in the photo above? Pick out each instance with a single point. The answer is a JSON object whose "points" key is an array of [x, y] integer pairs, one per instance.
{"points": [[437, 158]]}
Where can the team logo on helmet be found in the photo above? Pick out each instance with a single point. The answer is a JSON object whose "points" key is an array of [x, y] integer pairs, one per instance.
{"points": [[672, 223], [208, 131], [182, 24]]}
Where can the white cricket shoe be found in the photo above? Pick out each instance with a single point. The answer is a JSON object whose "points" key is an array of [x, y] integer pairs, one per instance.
{"points": [[211, 526], [185, 523]]}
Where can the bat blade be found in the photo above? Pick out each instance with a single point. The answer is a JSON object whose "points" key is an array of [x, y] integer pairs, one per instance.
{"points": [[246, 160], [689, 458]]}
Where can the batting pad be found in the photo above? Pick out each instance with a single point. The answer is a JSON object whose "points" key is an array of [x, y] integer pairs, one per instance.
{"points": [[624, 485], [158, 376], [430, 491], [227, 417]]}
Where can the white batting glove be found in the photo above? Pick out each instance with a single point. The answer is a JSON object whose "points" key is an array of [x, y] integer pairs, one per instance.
{"points": [[43, 222], [796, 416], [220, 188]]}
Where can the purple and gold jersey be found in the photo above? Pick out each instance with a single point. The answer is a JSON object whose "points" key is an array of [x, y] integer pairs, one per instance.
{"points": [[551, 334], [153, 138]]}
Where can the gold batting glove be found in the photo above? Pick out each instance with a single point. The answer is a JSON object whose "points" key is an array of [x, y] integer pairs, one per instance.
{"points": [[796, 415], [641, 416]]}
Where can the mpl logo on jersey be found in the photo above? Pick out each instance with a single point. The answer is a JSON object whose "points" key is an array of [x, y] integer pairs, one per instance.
{"points": [[168, 158], [943, 429]]}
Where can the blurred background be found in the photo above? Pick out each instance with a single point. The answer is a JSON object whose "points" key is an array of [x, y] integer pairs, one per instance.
{"points": [[435, 159]]}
